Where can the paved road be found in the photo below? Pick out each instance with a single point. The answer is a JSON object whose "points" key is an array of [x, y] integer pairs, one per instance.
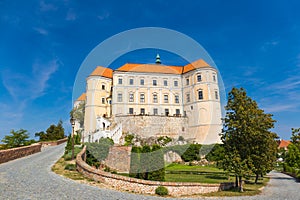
{"points": [[31, 178]]}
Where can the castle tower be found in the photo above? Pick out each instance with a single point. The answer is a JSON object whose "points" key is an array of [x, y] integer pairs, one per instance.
{"points": [[202, 102], [98, 95]]}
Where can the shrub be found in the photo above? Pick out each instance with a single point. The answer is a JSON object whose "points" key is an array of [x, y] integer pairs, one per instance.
{"points": [[161, 191], [71, 167]]}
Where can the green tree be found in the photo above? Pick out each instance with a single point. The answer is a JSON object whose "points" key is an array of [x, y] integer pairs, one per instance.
{"points": [[54, 132], [245, 134], [16, 139], [191, 153], [129, 140], [296, 137], [78, 113], [292, 158]]}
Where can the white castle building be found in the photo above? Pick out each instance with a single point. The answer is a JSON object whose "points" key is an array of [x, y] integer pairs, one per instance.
{"points": [[153, 100]]}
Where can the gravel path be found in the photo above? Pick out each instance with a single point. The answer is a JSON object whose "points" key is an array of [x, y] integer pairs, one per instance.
{"points": [[31, 178]]}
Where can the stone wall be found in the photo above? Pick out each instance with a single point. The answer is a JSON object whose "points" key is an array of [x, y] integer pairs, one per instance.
{"points": [[119, 158], [144, 186], [54, 143], [11, 154], [154, 125]]}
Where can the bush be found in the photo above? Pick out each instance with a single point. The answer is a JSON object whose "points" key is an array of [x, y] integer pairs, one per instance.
{"points": [[71, 167], [161, 191]]}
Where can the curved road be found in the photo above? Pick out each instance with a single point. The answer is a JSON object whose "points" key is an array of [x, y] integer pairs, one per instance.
{"points": [[31, 178]]}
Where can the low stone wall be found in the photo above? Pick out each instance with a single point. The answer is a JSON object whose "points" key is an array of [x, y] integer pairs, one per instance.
{"points": [[119, 158], [11, 154], [53, 143], [143, 186]]}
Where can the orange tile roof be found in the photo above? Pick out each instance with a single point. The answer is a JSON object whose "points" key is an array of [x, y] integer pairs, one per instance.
{"points": [[82, 97], [155, 68], [195, 65], [102, 71], [284, 143], [151, 68]]}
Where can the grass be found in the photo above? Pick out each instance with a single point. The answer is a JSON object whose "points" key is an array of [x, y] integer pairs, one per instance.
{"points": [[198, 174], [250, 189]]}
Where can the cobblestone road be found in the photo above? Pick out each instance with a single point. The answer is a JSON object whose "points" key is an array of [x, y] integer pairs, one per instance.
{"points": [[31, 178]]}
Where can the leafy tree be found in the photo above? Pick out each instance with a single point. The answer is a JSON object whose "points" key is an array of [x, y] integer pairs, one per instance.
{"points": [[245, 134], [135, 162], [16, 139], [78, 113], [191, 153], [54, 132], [293, 156], [296, 137], [216, 154]]}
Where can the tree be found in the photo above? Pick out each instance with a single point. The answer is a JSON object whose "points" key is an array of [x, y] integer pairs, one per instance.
{"points": [[296, 137], [17, 139], [157, 164], [293, 156], [54, 132], [78, 113], [245, 134]]}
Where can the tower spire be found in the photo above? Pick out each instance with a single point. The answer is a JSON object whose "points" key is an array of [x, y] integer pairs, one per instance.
{"points": [[158, 59]]}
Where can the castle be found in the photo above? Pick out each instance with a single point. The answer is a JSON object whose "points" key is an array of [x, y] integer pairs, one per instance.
{"points": [[153, 100]]}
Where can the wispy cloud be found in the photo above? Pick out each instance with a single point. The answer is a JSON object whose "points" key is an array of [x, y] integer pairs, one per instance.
{"points": [[283, 95], [103, 16], [269, 44], [47, 6], [71, 15], [29, 87], [41, 31]]}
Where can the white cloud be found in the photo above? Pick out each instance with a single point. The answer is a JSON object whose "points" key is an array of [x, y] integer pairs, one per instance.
{"points": [[269, 44], [71, 15], [41, 31], [47, 6], [29, 87], [103, 16]]}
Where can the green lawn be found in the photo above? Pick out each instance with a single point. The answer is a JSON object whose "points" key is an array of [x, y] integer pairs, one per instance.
{"points": [[199, 174]]}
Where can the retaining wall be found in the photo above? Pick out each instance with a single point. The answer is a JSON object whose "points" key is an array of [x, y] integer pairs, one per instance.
{"points": [[11, 154], [144, 186]]}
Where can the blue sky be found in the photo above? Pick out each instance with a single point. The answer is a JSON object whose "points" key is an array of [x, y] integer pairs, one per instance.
{"points": [[255, 44]]}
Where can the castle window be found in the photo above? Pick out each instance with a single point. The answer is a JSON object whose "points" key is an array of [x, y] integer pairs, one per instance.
{"points": [[177, 112], [103, 100], [187, 81], [120, 81], [131, 81], [155, 98], [142, 98], [199, 78], [200, 94], [176, 99], [142, 111], [120, 97], [176, 83], [214, 78], [130, 111], [166, 98], [103, 87], [216, 95], [142, 82], [165, 83], [188, 98], [131, 97], [155, 111], [154, 82]]}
